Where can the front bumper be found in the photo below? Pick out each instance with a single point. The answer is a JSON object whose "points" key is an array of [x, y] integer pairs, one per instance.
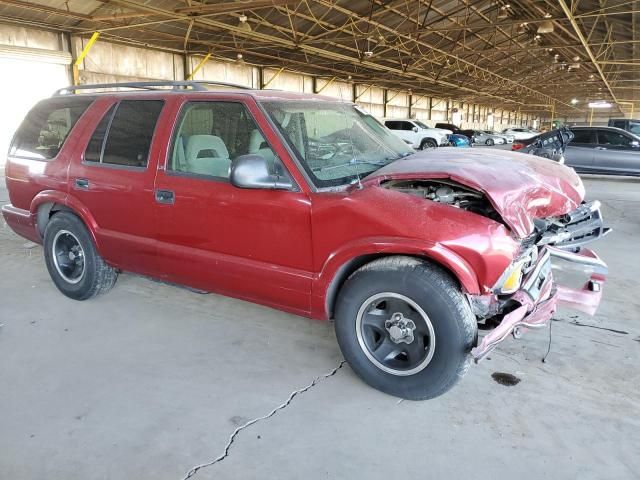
{"points": [[540, 296]]}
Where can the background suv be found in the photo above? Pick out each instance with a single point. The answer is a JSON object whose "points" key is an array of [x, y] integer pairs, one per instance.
{"points": [[416, 133]]}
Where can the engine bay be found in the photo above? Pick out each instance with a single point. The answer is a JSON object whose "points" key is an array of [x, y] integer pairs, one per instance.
{"points": [[447, 192]]}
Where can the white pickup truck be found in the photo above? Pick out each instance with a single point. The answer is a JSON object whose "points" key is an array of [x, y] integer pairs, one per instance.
{"points": [[416, 133]]}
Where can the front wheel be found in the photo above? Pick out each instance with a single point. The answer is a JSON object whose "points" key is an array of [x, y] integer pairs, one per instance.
{"points": [[72, 259], [490, 142], [405, 327], [428, 143]]}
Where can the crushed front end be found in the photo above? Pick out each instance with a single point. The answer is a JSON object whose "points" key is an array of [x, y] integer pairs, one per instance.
{"points": [[527, 294]]}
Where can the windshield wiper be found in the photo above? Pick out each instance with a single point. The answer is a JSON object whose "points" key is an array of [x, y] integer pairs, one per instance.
{"points": [[346, 164]]}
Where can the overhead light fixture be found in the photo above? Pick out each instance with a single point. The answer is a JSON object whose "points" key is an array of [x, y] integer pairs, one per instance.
{"points": [[592, 76], [242, 23], [599, 104], [537, 37], [574, 101], [576, 58], [547, 15], [240, 59], [368, 53]]}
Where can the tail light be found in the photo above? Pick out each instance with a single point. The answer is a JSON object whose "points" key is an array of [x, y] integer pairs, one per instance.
{"points": [[516, 146]]}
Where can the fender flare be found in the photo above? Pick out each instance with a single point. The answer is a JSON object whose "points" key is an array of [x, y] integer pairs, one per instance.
{"points": [[56, 197], [349, 258]]}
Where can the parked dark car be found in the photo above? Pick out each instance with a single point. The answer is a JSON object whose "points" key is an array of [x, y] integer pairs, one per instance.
{"points": [[309, 205], [628, 124], [450, 126], [547, 145], [606, 150]]}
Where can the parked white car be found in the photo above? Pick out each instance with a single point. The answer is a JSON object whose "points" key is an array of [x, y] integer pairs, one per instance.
{"points": [[520, 133], [416, 133]]}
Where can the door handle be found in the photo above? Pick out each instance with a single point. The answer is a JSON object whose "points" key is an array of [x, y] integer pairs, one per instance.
{"points": [[600, 148], [82, 183], [165, 196]]}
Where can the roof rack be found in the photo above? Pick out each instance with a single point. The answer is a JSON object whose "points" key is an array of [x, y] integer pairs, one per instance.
{"points": [[152, 85]]}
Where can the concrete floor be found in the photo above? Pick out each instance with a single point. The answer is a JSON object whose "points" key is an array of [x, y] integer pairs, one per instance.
{"points": [[150, 380]]}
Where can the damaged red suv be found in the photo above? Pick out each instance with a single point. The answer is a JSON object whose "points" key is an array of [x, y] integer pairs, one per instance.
{"points": [[308, 205]]}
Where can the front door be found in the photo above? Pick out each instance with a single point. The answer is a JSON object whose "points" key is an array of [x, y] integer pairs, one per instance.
{"points": [[616, 152], [248, 243]]}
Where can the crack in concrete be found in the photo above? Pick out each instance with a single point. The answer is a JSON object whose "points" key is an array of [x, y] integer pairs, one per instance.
{"points": [[232, 438]]}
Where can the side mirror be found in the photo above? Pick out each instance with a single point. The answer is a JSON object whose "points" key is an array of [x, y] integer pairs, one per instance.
{"points": [[415, 129], [251, 171]]}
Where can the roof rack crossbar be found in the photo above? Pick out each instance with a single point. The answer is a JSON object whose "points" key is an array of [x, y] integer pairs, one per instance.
{"points": [[150, 85]]}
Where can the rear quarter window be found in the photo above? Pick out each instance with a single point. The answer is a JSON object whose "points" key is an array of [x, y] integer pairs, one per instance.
{"points": [[46, 127]]}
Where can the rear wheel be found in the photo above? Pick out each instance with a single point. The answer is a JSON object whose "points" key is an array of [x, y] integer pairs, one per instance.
{"points": [[428, 143], [405, 328], [489, 142], [72, 260]]}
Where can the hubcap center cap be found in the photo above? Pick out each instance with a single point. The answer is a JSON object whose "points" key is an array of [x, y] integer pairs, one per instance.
{"points": [[400, 328]]}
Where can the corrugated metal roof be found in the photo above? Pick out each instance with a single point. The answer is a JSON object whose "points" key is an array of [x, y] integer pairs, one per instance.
{"points": [[482, 51]]}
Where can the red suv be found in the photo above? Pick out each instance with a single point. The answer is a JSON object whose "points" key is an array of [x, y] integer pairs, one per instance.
{"points": [[309, 205]]}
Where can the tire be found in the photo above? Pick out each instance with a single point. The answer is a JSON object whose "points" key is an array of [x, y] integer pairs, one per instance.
{"points": [[489, 142], [72, 259], [428, 143], [376, 291]]}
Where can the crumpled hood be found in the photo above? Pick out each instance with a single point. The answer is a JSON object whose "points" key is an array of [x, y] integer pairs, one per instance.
{"points": [[520, 187]]}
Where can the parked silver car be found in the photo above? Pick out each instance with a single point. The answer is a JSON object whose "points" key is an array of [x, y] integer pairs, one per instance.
{"points": [[607, 150], [485, 137], [507, 136]]}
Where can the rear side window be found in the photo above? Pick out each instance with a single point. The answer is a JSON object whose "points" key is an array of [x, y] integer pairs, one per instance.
{"points": [[582, 136], [46, 127], [123, 136]]}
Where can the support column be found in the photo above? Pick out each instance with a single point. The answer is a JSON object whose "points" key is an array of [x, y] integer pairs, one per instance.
{"points": [[385, 93], [83, 53]]}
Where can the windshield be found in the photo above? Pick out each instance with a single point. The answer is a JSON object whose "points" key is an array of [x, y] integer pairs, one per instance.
{"points": [[335, 142], [634, 127], [420, 124]]}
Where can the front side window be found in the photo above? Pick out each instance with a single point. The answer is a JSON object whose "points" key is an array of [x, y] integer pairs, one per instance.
{"points": [[336, 143], [613, 139], [210, 135], [46, 127], [123, 136], [634, 127]]}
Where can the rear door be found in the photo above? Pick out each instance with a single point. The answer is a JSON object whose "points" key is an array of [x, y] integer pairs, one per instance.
{"points": [[579, 152], [616, 152], [248, 243], [114, 179]]}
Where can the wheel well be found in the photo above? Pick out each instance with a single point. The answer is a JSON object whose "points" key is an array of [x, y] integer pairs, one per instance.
{"points": [[45, 212], [426, 139], [348, 268]]}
